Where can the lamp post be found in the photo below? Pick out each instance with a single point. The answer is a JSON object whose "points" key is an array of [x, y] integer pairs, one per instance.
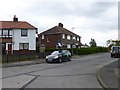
{"points": [[72, 39]]}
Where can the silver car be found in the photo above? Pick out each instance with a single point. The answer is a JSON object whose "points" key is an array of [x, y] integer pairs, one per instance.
{"points": [[115, 51]]}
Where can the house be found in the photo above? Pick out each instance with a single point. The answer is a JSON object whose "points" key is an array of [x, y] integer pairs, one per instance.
{"points": [[58, 34], [17, 36], [84, 46]]}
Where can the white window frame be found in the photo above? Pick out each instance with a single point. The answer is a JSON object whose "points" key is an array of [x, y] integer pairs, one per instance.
{"points": [[68, 37], [78, 39], [68, 45], [63, 36], [74, 37], [43, 37]]}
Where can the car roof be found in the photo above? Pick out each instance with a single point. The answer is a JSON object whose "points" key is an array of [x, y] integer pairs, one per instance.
{"points": [[115, 46]]}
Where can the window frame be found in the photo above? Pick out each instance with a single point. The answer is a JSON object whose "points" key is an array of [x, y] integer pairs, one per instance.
{"points": [[23, 46], [43, 37], [78, 39], [24, 33], [63, 36], [68, 37], [9, 33]]}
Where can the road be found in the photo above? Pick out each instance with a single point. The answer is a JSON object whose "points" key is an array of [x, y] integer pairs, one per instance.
{"points": [[78, 73]]}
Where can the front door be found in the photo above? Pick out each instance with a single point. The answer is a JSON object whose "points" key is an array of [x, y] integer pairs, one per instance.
{"points": [[9, 48]]}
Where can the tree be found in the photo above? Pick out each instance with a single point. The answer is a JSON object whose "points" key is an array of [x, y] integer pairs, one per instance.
{"points": [[113, 42], [93, 43]]}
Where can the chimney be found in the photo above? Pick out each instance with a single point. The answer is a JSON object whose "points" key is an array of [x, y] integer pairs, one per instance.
{"points": [[60, 24], [15, 19]]}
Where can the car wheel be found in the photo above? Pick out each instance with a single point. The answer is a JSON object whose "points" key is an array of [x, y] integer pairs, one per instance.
{"points": [[69, 59], [111, 55], [60, 60], [47, 61]]}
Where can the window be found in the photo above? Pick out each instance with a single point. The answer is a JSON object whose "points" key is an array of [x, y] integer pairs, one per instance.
{"points": [[0, 32], [68, 46], [24, 32], [77, 38], [63, 36], [73, 37], [5, 32], [68, 37], [43, 37], [24, 46], [10, 32]]}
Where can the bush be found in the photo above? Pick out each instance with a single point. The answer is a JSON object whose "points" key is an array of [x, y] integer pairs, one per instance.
{"points": [[82, 51]]}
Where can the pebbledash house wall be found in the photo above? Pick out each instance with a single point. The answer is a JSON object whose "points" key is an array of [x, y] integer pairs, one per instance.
{"points": [[30, 38]]}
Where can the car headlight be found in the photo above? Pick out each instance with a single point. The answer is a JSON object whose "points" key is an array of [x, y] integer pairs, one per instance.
{"points": [[55, 57], [46, 57]]}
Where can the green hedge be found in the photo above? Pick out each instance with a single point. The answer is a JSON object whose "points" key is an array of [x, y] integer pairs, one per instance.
{"points": [[92, 50], [83, 51]]}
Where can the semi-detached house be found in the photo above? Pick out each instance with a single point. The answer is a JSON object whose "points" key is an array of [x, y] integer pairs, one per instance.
{"points": [[59, 34], [17, 37]]}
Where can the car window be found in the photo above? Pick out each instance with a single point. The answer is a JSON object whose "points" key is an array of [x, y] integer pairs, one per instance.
{"points": [[116, 49], [55, 53]]}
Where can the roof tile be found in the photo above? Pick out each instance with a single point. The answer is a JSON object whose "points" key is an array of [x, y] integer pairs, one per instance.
{"points": [[16, 25]]}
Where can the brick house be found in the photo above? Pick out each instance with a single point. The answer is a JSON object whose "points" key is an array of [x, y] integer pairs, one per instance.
{"points": [[52, 36], [17, 36]]}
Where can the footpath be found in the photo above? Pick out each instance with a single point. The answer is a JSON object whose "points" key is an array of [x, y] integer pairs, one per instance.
{"points": [[32, 62], [109, 76]]}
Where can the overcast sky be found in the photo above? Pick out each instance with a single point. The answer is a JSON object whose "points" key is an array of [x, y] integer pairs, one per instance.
{"points": [[97, 19]]}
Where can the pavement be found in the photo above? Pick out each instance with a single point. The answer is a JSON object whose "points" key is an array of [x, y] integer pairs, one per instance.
{"points": [[37, 61], [109, 76], [15, 64]]}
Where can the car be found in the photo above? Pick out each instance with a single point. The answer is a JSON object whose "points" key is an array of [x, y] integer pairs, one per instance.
{"points": [[115, 51], [59, 56]]}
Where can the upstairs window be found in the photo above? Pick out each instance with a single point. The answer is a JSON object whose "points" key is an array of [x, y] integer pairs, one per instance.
{"points": [[0, 32], [43, 37], [77, 38], [5, 32], [24, 32], [63, 36], [68, 37], [74, 37]]}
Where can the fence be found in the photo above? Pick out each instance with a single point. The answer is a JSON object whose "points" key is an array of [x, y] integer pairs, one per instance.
{"points": [[21, 57]]}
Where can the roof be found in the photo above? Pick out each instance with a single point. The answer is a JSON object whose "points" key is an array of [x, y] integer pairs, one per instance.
{"points": [[16, 25], [58, 30]]}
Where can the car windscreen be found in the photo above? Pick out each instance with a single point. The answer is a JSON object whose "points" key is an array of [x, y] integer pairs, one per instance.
{"points": [[116, 49], [55, 53]]}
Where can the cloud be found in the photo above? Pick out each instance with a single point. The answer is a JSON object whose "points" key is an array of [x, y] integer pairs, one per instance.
{"points": [[90, 19]]}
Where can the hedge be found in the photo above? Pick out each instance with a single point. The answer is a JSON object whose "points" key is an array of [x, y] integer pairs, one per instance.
{"points": [[82, 51]]}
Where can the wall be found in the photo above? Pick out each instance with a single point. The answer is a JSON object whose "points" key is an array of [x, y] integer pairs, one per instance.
{"points": [[50, 40], [31, 39]]}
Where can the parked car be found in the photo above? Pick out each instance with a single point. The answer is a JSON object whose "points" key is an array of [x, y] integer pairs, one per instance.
{"points": [[59, 56], [115, 51]]}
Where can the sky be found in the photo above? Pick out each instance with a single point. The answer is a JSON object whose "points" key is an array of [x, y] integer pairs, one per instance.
{"points": [[97, 19]]}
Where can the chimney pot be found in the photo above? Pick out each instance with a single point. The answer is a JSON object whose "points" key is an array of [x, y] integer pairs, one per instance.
{"points": [[15, 19], [60, 24]]}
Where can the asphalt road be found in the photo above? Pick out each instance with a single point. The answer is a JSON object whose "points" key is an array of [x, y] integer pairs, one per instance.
{"points": [[78, 73]]}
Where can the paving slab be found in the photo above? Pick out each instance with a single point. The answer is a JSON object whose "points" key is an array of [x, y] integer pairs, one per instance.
{"points": [[16, 81]]}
